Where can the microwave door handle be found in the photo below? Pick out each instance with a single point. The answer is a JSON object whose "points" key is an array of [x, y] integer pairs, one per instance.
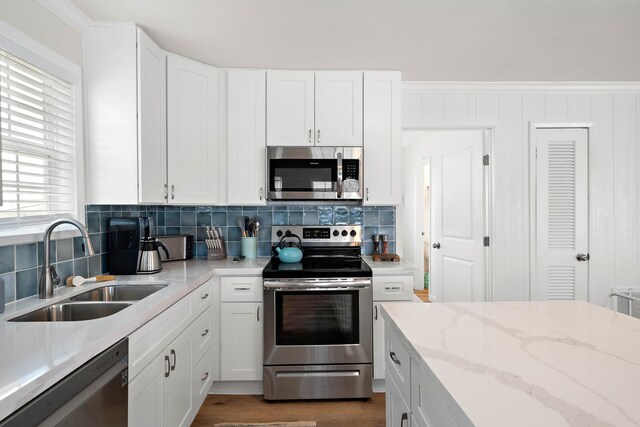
{"points": [[339, 184]]}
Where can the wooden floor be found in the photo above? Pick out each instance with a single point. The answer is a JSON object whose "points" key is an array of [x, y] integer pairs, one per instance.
{"points": [[423, 294], [327, 413]]}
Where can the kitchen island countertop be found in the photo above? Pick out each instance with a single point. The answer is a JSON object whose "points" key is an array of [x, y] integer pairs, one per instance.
{"points": [[36, 355], [546, 363]]}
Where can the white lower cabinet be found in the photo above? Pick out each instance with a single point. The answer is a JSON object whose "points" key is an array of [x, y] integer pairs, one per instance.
{"points": [[397, 409], [378, 342], [172, 374], [241, 341]]}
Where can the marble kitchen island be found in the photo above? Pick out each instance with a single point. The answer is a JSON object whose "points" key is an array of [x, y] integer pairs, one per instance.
{"points": [[547, 363]]}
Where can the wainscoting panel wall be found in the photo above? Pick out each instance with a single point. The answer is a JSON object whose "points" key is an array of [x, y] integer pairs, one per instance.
{"points": [[614, 168]]}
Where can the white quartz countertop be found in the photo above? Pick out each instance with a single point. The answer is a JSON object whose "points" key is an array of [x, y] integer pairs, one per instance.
{"points": [[551, 363], [389, 268], [36, 355]]}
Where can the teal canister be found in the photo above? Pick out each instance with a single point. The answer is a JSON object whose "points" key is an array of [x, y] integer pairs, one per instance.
{"points": [[250, 247]]}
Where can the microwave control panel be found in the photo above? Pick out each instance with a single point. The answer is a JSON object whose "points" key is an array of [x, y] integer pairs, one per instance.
{"points": [[350, 169]]}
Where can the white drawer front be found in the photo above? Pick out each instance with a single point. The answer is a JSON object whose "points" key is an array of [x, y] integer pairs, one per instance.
{"points": [[202, 333], [203, 378], [241, 289], [392, 288], [202, 298], [397, 362]]}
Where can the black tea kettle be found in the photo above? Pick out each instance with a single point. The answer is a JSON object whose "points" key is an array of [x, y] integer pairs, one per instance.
{"points": [[149, 257]]}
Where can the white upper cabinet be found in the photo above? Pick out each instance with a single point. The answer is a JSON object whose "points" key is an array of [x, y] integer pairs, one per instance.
{"points": [[152, 120], [290, 108], [192, 132], [246, 150], [125, 115], [322, 108], [338, 104], [382, 138]]}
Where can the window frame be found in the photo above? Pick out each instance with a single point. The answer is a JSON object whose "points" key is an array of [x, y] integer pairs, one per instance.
{"points": [[17, 43]]}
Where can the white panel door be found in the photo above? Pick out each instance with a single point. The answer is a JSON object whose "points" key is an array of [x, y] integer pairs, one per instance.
{"points": [[145, 394], [382, 138], [290, 108], [241, 341], [177, 393], [562, 236], [457, 269], [246, 151], [338, 108], [152, 121], [192, 131], [378, 342]]}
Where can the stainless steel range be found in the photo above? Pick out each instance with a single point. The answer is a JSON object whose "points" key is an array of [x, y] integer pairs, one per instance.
{"points": [[318, 325]]}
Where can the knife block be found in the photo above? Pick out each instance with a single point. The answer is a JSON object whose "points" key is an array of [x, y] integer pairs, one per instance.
{"points": [[217, 254]]}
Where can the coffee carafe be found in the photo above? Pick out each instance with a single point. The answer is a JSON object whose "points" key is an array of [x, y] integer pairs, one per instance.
{"points": [[148, 255]]}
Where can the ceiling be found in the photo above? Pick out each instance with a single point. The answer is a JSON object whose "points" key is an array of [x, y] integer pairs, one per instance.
{"points": [[436, 40]]}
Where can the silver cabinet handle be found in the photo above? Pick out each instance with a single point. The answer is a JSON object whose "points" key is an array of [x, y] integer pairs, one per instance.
{"points": [[206, 375], [583, 257], [367, 196], [376, 316], [258, 314], [318, 138], [166, 191], [205, 296], [391, 288], [310, 136], [393, 357], [242, 289], [260, 193], [168, 365], [204, 334], [173, 365], [173, 192], [403, 418]]}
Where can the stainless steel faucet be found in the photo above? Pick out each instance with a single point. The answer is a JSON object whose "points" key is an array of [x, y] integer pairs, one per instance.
{"points": [[49, 278]]}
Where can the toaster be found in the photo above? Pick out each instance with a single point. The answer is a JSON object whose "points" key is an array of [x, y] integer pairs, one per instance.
{"points": [[180, 247]]}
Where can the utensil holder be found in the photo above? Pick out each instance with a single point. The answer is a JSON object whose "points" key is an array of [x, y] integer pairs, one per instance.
{"points": [[217, 254], [250, 247]]}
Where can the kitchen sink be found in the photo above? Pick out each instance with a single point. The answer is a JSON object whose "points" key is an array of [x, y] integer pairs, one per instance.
{"points": [[72, 311], [118, 293]]}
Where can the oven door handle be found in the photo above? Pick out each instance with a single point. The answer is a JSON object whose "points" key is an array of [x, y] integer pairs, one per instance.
{"points": [[325, 285], [314, 288]]}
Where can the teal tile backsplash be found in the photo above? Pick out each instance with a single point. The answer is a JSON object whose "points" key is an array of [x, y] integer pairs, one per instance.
{"points": [[20, 265]]}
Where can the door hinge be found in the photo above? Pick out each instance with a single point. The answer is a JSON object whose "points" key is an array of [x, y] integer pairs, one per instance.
{"points": [[485, 241], [485, 160]]}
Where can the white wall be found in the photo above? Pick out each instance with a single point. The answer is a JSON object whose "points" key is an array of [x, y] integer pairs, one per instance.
{"points": [[614, 169], [37, 22]]}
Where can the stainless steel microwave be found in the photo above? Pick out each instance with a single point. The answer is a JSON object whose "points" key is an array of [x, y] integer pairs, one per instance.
{"points": [[314, 173]]}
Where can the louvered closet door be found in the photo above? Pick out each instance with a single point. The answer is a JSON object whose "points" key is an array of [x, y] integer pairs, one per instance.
{"points": [[562, 215]]}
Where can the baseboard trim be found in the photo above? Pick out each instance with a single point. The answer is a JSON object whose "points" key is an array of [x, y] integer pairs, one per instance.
{"points": [[236, 387]]}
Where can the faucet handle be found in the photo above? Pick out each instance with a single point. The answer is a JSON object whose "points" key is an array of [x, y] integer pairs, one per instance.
{"points": [[55, 280]]}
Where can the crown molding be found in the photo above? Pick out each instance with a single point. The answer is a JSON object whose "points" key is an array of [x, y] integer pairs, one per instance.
{"points": [[69, 13], [574, 88]]}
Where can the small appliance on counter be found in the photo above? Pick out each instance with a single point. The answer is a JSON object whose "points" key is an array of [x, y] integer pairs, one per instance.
{"points": [[149, 256], [180, 247], [124, 243]]}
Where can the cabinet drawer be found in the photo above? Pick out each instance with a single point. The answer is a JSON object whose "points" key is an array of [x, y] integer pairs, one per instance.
{"points": [[203, 378], [202, 333], [241, 289], [392, 288], [397, 362], [201, 298]]}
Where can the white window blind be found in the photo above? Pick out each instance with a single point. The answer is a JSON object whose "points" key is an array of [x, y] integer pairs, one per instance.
{"points": [[38, 143]]}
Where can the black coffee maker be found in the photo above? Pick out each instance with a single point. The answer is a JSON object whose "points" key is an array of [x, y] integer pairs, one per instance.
{"points": [[124, 242]]}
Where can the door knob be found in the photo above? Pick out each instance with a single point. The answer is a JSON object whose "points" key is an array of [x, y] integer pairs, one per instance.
{"points": [[583, 257], [436, 245]]}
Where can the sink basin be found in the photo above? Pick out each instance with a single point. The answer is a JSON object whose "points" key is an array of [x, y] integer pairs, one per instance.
{"points": [[73, 311], [118, 293]]}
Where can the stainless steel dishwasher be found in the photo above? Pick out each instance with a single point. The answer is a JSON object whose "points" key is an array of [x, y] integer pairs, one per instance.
{"points": [[95, 394]]}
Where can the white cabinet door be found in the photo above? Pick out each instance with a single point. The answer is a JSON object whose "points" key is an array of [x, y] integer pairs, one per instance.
{"points": [[192, 131], [378, 342], [382, 138], [338, 108], [241, 341], [290, 108], [145, 394], [177, 393], [152, 121], [246, 149]]}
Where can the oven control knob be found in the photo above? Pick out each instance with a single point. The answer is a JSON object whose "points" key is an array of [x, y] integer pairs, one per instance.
{"points": [[344, 233], [336, 232], [353, 233], [279, 233]]}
